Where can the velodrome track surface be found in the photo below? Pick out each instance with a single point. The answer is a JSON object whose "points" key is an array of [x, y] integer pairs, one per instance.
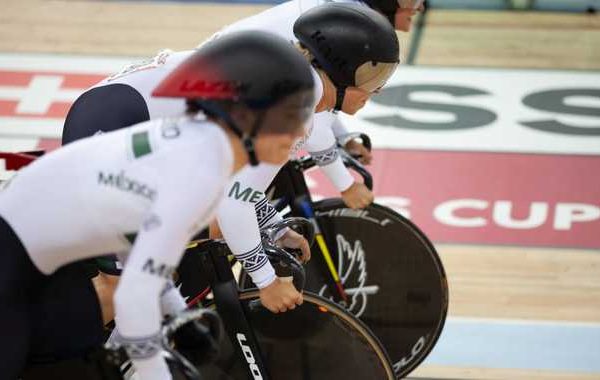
{"points": [[522, 254]]}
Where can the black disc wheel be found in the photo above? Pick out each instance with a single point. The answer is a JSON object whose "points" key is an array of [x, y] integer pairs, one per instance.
{"points": [[392, 275]]}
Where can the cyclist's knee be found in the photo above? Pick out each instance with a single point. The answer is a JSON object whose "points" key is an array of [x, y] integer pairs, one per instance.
{"points": [[129, 307]]}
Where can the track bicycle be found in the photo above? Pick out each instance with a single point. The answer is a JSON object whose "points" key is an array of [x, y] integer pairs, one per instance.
{"points": [[316, 340], [374, 262]]}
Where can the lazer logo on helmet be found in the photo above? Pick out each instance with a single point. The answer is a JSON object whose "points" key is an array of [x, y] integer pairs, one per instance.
{"points": [[213, 87], [249, 356]]}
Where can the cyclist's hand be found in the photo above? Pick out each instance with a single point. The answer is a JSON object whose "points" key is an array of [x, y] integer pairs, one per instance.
{"points": [[280, 296], [292, 239], [357, 196], [355, 148]]}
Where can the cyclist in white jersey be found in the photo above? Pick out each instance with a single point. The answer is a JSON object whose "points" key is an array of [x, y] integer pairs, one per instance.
{"points": [[321, 143], [126, 96], [355, 51], [159, 181], [280, 20]]}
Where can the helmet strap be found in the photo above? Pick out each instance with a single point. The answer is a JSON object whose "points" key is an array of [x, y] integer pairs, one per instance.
{"points": [[339, 98], [248, 140], [214, 110]]}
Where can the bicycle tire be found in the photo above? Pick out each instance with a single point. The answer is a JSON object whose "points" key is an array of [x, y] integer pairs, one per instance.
{"points": [[318, 341], [410, 327]]}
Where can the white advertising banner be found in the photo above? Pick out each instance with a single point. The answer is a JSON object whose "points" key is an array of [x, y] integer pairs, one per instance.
{"points": [[527, 111]]}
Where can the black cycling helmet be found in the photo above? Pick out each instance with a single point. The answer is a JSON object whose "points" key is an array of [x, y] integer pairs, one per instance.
{"points": [[255, 68], [389, 7], [353, 44]]}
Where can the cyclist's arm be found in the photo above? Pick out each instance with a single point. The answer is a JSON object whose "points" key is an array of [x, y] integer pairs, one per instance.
{"points": [[339, 129], [322, 146], [266, 214], [171, 300], [238, 220], [183, 205]]}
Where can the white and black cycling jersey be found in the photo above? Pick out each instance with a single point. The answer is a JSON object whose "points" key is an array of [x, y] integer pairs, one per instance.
{"points": [[278, 19], [237, 214], [320, 140], [142, 191], [144, 76], [160, 180]]}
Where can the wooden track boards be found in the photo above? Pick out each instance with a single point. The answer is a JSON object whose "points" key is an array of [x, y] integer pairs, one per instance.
{"points": [[511, 39], [464, 38], [523, 283], [111, 28]]}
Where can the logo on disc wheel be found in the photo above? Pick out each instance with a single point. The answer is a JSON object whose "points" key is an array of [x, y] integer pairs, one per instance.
{"points": [[352, 268]]}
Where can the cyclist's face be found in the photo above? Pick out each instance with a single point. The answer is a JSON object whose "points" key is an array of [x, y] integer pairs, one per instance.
{"points": [[405, 12], [271, 145], [354, 100], [404, 17], [273, 148]]}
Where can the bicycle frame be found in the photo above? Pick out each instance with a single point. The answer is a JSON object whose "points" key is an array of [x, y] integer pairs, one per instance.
{"points": [[226, 297], [235, 313], [302, 204]]}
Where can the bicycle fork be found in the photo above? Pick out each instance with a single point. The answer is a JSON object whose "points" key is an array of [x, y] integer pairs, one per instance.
{"points": [[301, 205], [307, 211]]}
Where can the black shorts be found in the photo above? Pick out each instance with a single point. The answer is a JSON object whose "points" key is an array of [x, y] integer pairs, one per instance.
{"points": [[42, 318], [105, 109]]}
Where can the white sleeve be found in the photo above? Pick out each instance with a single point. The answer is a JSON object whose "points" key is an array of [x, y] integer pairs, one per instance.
{"points": [[238, 220], [321, 144], [339, 129], [266, 214], [183, 205], [171, 300]]}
